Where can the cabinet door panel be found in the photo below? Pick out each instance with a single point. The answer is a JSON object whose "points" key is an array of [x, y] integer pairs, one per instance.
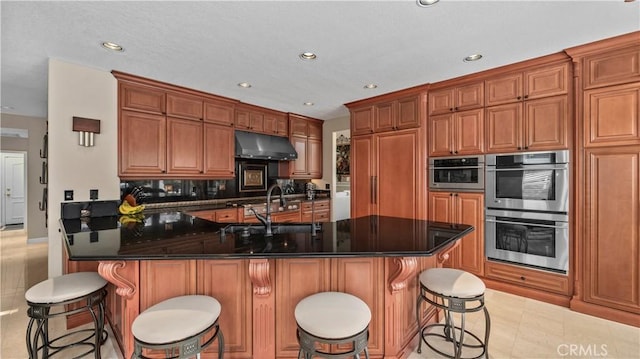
{"points": [[361, 176], [314, 129], [504, 89], [612, 237], [408, 113], [142, 98], [219, 113], [503, 127], [612, 67], [468, 132], [282, 126], [470, 210], [184, 106], [166, 279], [256, 120], [384, 119], [441, 101], [235, 297], [297, 278], [440, 136], [469, 96], [397, 176], [299, 165], [298, 126], [612, 116], [441, 206], [242, 119], [314, 158], [362, 277], [184, 146], [362, 121], [142, 141], [546, 123], [219, 148], [547, 81]]}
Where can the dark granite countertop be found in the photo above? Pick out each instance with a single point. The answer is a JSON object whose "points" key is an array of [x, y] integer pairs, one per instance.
{"points": [[177, 235]]}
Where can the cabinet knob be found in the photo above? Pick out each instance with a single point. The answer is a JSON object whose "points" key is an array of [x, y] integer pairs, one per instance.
{"points": [[451, 152], [522, 278], [455, 152], [519, 98], [450, 194], [163, 171], [519, 148], [526, 96], [455, 108], [456, 195], [526, 147], [451, 109], [201, 171]]}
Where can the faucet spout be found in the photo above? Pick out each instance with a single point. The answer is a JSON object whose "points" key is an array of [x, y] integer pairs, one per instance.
{"points": [[266, 220]]}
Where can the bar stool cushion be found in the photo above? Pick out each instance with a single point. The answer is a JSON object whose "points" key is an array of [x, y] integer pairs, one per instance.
{"points": [[332, 315], [65, 287], [452, 282], [176, 319]]}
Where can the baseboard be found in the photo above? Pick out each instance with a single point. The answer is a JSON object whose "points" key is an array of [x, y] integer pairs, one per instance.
{"points": [[599, 311], [37, 240], [526, 292]]}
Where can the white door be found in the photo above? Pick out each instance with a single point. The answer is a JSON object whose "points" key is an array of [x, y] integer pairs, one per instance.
{"points": [[13, 188]]}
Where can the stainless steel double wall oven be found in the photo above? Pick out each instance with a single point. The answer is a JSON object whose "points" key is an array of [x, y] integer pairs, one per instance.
{"points": [[527, 200]]}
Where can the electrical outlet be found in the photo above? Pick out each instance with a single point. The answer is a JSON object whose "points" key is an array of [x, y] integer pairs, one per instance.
{"points": [[68, 195], [93, 194]]}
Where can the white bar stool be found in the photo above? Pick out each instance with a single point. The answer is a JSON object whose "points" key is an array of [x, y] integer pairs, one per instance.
{"points": [[74, 293], [452, 290], [178, 326], [332, 318]]}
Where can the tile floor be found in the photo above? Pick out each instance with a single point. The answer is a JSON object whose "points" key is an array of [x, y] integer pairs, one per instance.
{"points": [[520, 327]]}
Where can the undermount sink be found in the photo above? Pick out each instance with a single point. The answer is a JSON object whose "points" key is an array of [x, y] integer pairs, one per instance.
{"points": [[246, 230]]}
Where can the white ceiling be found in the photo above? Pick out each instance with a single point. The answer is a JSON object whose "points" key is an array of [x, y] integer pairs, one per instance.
{"points": [[214, 45]]}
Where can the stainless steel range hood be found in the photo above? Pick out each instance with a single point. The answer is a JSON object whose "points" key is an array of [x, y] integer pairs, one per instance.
{"points": [[264, 147]]}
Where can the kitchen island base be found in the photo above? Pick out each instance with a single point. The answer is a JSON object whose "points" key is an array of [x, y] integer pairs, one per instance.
{"points": [[258, 297]]}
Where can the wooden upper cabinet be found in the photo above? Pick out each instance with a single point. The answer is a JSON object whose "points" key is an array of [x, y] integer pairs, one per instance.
{"points": [[306, 138], [397, 115], [456, 98], [219, 150], [256, 120], [362, 121], [184, 146], [612, 116], [457, 133], [276, 124], [612, 67], [142, 98], [142, 144], [540, 124], [536, 83], [184, 106], [219, 112], [298, 126], [242, 119]]}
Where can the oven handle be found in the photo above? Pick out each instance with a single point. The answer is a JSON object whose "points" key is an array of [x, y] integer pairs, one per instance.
{"points": [[526, 224], [527, 169], [433, 168]]}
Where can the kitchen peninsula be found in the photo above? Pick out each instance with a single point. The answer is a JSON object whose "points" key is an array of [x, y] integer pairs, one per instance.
{"points": [[259, 279]]}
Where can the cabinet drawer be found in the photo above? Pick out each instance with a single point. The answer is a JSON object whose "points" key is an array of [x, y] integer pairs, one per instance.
{"points": [[318, 206], [528, 277], [227, 215], [322, 216], [209, 215], [293, 216]]}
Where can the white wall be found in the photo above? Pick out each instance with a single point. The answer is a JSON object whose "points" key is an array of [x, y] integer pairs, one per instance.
{"points": [[84, 92], [37, 127], [328, 154]]}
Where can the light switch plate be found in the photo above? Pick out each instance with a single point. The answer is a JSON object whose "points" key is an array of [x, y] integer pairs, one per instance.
{"points": [[68, 195], [93, 194]]}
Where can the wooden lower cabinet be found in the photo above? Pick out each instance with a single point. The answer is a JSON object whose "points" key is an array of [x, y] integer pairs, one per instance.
{"points": [[258, 298], [321, 211], [611, 257], [466, 208]]}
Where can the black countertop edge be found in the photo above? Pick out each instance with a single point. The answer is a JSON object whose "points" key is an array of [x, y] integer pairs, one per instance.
{"points": [[215, 204], [178, 235]]}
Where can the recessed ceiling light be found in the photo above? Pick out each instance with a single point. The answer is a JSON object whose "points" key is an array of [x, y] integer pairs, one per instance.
{"points": [[474, 57], [425, 3], [112, 46], [308, 56], [370, 86], [308, 103], [244, 85]]}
